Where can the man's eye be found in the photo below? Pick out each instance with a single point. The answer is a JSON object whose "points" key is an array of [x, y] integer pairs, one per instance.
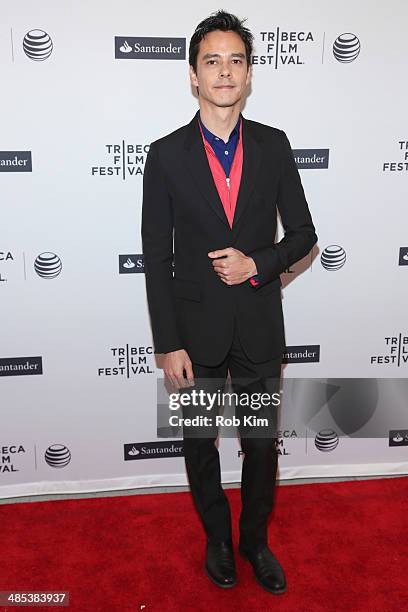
{"points": [[215, 61]]}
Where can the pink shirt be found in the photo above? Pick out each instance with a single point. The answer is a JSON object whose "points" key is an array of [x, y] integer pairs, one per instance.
{"points": [[227, 188]]}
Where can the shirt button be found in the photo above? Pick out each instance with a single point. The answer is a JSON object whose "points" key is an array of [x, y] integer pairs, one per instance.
{"points": [[226, 152]]}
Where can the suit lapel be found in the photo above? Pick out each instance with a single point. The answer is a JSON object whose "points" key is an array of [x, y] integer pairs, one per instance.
{"points": [[197, 164], [251, 163]]}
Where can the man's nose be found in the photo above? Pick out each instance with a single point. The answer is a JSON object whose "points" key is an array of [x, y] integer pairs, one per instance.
{"points": [[225, 71]]}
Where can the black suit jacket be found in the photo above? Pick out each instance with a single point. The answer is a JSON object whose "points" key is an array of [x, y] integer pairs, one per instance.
{"points": [[193, 308]]}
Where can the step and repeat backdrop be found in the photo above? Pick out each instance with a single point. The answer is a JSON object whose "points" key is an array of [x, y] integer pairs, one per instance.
{"points": [[85, 88]]}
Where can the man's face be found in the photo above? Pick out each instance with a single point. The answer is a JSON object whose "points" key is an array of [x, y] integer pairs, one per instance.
{"points": [[222, 73]]}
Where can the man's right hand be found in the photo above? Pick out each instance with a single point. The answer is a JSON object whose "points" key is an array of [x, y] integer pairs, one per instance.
{"points": [[174, 364]]}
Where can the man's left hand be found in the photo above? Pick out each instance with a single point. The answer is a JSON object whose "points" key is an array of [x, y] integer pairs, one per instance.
{"points": [[234, 267]]}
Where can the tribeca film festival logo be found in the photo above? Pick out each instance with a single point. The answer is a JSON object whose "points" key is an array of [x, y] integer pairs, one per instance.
{"points": [[282, 47], [398, 437], [396, 351], [325, 441], [15, 161], [56, 456], [282, 436], [9, 454], [20, 366], [46, 265], [130, 361], [333, 257], [403, 256], [148, 47], [37, 45], [302, 354], [131, 264], [298, 47], [398, 166], [124, 160], [5, 257], [153, 450]]}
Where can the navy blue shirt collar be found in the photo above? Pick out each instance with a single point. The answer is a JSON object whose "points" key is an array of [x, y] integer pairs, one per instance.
{"points": [[212, 138]]}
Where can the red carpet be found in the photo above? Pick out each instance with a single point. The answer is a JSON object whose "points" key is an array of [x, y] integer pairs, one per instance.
{"points": [[343, 546]]}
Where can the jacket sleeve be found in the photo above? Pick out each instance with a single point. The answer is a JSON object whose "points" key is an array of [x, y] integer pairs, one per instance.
{"points": [[157, 239], [299, 232]]}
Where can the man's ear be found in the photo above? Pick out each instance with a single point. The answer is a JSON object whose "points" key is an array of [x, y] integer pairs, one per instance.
{"points": [[193, 76], [249, 75]]}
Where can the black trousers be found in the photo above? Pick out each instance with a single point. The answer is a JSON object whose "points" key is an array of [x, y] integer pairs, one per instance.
{"points": [[260, 452]]}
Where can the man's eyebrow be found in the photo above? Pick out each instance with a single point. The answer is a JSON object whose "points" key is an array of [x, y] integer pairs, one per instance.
{"points": [[210, 55]]}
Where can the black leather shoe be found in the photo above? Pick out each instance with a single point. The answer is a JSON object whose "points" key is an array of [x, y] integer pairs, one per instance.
{"points": [[267, 569], [220, 564]]}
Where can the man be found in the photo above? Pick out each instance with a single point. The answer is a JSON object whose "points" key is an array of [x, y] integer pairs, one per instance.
{"points": [[213, 186]]}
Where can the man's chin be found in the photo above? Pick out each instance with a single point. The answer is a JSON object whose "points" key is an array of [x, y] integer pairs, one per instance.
{"points": [[225, 103], [222, 101]]}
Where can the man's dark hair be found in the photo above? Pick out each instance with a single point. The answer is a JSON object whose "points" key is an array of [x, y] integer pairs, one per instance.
{"points": [[220, 20]]}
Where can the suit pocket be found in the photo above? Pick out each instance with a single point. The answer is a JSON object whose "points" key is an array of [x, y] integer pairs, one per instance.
{"points": [[187, 290]]}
